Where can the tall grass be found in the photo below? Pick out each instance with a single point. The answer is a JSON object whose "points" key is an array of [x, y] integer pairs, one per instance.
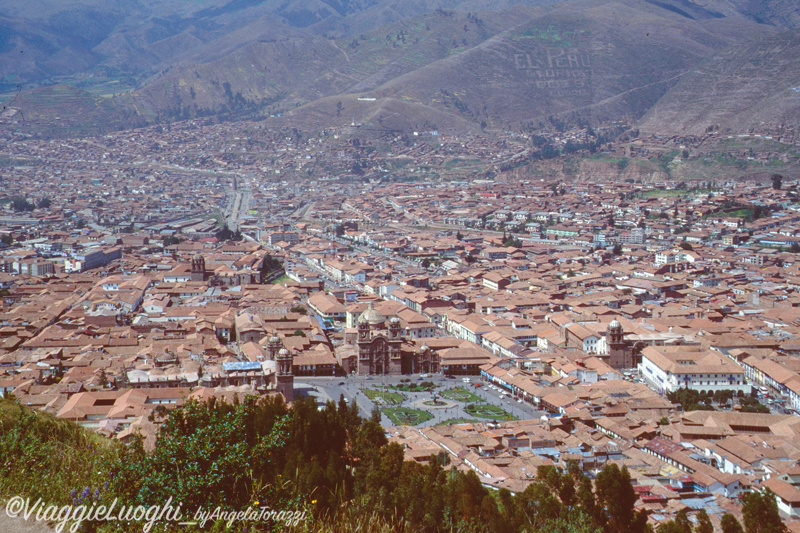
{"points": [[44, 457]]}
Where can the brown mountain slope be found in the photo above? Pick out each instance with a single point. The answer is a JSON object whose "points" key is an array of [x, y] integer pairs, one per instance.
{"points": [[543, 65], [607, 61], [743, 86], [281, 74], [61, 110]]}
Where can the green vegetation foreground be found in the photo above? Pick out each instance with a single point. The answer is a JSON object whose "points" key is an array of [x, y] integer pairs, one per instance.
{"points": [[331, 465]]}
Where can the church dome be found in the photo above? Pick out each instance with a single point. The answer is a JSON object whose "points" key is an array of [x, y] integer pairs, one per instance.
{"points": [[371, 316], [283, 352], [614, 325]]}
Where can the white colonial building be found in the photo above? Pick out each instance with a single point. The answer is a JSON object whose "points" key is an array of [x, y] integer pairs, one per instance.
{"points": [[669, 368]]}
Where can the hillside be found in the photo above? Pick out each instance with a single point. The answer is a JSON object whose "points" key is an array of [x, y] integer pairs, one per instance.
{"points": [[328, 467], [744, 86], [89, 41], [60, 110], [451, 64], [554, 66]]}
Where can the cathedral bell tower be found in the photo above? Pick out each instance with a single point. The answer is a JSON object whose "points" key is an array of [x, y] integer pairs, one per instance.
{"points": [[198, 268], [273, 347], [285, 377], [619, 354]]}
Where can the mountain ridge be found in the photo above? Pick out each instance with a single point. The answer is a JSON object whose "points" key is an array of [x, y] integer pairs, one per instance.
{"points": [[512, 67]]}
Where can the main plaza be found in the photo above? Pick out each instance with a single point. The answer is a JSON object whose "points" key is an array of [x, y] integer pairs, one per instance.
{"points": [[405, 400]]}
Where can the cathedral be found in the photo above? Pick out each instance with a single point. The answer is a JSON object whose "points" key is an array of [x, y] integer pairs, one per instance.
{"points": [[381, 349], [225, 277]]}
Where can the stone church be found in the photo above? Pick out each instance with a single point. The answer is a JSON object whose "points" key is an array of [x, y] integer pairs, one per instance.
{"points": [[224, 276], [382, 350]]}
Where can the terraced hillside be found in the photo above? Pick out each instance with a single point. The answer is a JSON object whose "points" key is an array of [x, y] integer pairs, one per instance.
{"points": [[64, 109]]}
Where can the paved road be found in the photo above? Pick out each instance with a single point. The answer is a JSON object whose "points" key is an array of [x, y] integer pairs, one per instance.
{"points": [[237, 205]]}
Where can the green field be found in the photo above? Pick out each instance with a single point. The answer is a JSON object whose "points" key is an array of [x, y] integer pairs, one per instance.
{"points": [[384, 397], [488, 411], [403, 416], [740, 213], [460, 394]]}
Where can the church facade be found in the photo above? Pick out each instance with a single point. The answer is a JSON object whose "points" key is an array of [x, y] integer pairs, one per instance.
{"points": [[225, 277], [382, 349]]}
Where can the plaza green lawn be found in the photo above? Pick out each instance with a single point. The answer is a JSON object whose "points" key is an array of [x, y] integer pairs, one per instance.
{"points": [[403, 416], [389, 398], [460, 394], [414, 387], [488, 411]]}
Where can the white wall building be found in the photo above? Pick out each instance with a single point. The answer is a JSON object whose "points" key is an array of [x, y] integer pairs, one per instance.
{"points": [[667, 369]]}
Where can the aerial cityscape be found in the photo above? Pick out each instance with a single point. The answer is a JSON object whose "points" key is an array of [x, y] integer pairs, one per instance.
{"points": [[342, 311]]}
